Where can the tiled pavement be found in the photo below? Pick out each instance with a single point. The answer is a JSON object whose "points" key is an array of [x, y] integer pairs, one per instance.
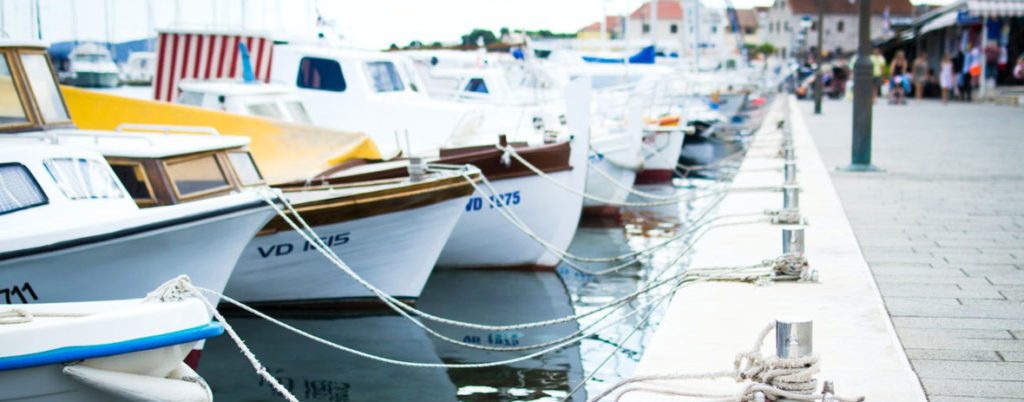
{"points": [[943, 231]]}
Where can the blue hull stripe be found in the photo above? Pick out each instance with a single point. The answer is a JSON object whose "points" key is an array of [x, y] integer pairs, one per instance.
{"points": [[73, 353]]}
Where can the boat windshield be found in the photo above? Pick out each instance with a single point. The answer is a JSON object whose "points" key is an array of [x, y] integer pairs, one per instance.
{"points": [[298, 112], [91, 58], [11, 110], [44, 87], [81, 178], [268, 110], [384, 76]]}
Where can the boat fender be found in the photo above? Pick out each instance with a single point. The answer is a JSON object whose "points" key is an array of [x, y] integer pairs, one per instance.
{"points": [[181, 385]]}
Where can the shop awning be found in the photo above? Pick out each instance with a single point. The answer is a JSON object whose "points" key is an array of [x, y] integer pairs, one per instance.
{"points": [[996, 8], [942, 21]]}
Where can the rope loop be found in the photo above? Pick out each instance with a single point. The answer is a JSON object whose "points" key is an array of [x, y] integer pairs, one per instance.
{"points": [[15, 316]]}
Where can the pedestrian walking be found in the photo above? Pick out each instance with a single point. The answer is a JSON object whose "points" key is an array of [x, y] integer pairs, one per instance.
{"points": [[920, 74], [1018, 70], [877, 72], [898, 83], [946, 77]]}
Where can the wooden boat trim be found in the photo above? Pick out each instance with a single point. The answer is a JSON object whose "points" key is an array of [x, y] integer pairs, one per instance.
{"points": [[549, 158], [373, 203]]}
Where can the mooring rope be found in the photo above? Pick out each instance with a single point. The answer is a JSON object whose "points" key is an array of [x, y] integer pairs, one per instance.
{"points": [[661, 202], [15, 315]]}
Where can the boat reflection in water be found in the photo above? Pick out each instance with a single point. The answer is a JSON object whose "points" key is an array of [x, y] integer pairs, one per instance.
{"points": [[498, 297], [314, 372]]}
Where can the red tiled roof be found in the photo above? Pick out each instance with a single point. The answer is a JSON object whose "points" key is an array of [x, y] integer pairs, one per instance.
{"points": [[667, 10], [896, 7], [611, 24], [747, 18]]}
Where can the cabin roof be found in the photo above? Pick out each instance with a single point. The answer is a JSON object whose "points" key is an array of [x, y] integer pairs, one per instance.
{"points": [[144, 145], [234, 88], [22, 43]]}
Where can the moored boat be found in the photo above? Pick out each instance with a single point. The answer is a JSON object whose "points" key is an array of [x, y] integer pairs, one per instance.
{"points": [[390, 232], [67, 207], [119, 350], [90, 65]]}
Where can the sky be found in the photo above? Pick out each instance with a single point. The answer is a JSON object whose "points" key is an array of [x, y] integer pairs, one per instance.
{"points": [[367, 24]]}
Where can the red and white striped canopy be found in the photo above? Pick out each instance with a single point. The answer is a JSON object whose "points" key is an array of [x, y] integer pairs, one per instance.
{"points": [[195, 55]]}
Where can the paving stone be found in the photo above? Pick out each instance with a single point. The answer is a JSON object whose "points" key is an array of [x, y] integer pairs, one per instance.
{"points": [[924, 342], [973, 388], [940, 291], [1012, 310], [1016, 295], [959, 323], [916, 271], [970, 370], [954, 355], [1012, 356], [968, 333], [931, 280], [983, 258]]}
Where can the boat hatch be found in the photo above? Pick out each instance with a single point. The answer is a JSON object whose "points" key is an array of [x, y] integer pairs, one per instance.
{"points": [[30, 99], [173, 180]]}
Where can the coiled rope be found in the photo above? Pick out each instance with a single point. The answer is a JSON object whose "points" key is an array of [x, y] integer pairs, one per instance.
{"points": [[772, 376]]}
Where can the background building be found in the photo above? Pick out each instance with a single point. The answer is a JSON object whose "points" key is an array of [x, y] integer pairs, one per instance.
{"points": [[791, 23]]}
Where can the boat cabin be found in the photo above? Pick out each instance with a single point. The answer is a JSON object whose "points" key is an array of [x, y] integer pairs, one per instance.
{"points": [[272, 101], [153, 167]]}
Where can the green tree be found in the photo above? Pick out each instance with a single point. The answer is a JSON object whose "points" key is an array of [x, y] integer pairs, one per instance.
{"points": [[471, 38]]}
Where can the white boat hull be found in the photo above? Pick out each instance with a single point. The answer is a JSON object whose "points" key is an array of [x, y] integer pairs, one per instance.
{"points": [[395, 252], [620, 161], [483, 238], [661, 155], [129, 264]]}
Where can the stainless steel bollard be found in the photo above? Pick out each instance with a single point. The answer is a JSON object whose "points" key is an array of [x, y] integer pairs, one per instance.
{"points": [[788, 153], [794, 338], [789, 171], [417, 169], [793, 240], [791, 197]]}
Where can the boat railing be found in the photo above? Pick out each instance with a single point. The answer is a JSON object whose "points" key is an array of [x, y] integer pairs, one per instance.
{"points": [[166, 129], [55, 137]]}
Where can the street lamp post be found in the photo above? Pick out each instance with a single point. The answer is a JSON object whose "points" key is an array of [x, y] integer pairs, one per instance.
{"points": [[860, 155], [819, 58]]}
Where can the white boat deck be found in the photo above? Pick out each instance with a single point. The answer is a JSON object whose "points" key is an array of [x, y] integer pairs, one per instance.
{"points": [[707, 324]]}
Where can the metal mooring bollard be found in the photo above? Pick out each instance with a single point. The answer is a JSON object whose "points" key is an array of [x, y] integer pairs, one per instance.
{"points": [[794, 338], [789, 171], [793, 240], [790, 197], [417, 168], [788, 153]]}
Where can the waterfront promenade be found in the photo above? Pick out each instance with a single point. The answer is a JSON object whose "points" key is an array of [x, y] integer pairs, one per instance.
{"points": [[942, 229]]}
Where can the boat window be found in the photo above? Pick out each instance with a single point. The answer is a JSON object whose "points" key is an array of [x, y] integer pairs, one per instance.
{"points": [[80, 178], [268, 110], [133, 178], [11, 110], [18, 189], [44, 87], [317, 73], [384, 76], [190, 98], [197, 176], [245, 168], [298, 112], [477, 85]]}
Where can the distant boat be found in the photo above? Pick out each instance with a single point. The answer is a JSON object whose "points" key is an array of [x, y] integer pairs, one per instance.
{"points": [[90, 65], [139, 69]]}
